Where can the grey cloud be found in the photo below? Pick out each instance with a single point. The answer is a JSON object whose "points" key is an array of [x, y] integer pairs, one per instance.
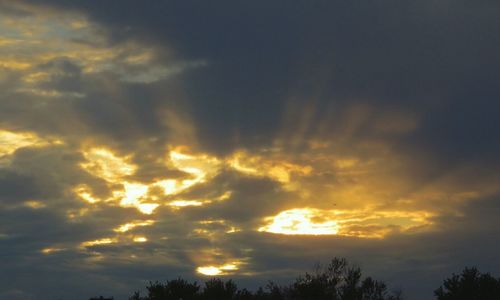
{"points": [[418, 78], [262, 55]]}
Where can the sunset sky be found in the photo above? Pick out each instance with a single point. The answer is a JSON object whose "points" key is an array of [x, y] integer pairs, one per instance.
{"points": [[146, 140]]}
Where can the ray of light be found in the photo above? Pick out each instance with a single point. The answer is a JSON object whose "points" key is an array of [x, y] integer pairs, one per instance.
{"points": [[257, 165]]}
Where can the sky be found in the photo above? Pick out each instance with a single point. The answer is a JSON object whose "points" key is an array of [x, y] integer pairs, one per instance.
{"points": [[246, 139]]}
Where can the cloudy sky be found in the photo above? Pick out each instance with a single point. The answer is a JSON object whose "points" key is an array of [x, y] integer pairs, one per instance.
{"points": [[250, 139]]}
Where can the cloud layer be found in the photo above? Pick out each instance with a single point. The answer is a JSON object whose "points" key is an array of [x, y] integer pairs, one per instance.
{"points": [[142, 142]]}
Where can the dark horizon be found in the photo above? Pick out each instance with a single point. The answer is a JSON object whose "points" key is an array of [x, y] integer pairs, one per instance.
{"points": [[246, 140]]}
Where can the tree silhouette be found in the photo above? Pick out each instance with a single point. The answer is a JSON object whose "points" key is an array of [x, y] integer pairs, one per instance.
{"points": [[172, 290], [469, 285], [216, 289], [335, 281], [338, 281]]}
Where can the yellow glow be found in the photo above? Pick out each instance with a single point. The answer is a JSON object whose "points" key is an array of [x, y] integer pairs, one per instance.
{"points": [[217, 270], [113, 168], [74, 214], [170, 186], [83, 192], [9, 41], [359, 223], [133, 196], [11, 141], [233, 229], [46, 36], [199, 166], [104, 241], [107, 165], [14, 65], [346, 163], [184, 203], [34, 204], [133, 193], [204, 222], [256, 165], [209, 270], [140, 239], [229, 267], [51, 250], [225, 196], [147, 208], [129, 226], [300, 221]]}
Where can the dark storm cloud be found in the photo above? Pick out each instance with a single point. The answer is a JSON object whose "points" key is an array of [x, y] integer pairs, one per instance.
{"points": [[15, 187], [437, 59]]}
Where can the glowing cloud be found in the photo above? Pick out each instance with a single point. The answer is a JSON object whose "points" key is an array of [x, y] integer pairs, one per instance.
{"points": [[107, 165], [11, 141], [218, 270], [147, 208], [34, 204], [200, 167], [184, 203], [51, 250], [104, 241], [300, 221], [84, 192], [140, 239], [114, 169], [255, 165], [358, 223], [129, 226]]}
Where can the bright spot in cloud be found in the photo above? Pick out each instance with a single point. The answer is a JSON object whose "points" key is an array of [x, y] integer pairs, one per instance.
{"points": [[147, 208], [107, 165], [103, 241], [358, 223], [209, 271], [133, 193], [114, 169], [51, 250], [133, 197], [184, 203], [11, 141], [140, 239], [34, 204], [300, 221], [129, 226], [217, 270], [84, 192]]}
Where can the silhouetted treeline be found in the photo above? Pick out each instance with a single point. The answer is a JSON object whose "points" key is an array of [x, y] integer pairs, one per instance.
{"points": [[335, 281], [469, 285]]}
